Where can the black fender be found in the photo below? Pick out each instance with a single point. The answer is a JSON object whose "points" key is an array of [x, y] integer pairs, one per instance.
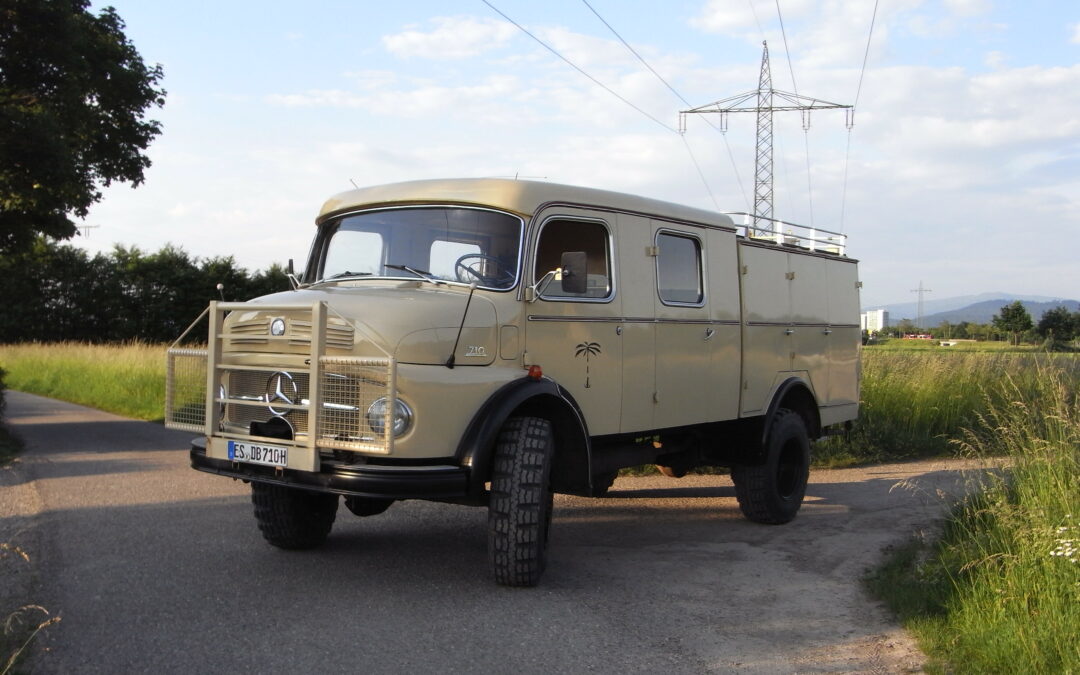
{"points": [[571, 464], [795, 395]]}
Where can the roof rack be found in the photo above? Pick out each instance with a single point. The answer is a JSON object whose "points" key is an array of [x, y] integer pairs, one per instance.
{"points": [[791, 234]]}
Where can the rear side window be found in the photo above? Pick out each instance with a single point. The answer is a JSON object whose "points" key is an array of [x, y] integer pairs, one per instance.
{"points": [[560, 236], [678, 269]]}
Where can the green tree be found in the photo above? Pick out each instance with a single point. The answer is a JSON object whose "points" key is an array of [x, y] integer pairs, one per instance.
{"points": [[904, 327], [73, 97], [1057, 324], [58, 292], [1014, 320]]}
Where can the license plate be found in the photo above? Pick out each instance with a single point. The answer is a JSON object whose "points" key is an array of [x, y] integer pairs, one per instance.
{"points": [[257, 453]]}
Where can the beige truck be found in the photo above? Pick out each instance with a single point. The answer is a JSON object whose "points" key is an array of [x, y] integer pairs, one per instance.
{"points": [[492, 342]]}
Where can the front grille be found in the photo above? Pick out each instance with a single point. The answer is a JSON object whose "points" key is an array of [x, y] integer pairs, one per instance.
{"points": [[250, 386], [250, 332], [349, 386], [339, 334]]}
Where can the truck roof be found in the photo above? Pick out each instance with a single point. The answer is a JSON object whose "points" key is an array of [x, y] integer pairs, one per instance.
{"points": [[522, 197]]}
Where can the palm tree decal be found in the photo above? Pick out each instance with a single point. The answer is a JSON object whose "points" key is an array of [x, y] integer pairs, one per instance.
{"points": [[587, 349]]}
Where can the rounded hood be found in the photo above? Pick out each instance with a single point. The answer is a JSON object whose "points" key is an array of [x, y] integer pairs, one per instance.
{"points": [[413, 324]]}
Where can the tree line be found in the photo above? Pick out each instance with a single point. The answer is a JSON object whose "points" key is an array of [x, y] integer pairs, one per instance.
{"points": [[55, 292], [1056, 328]]}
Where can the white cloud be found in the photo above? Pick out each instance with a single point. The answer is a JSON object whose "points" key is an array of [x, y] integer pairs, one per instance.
{"points": [[1075, 34], [452, 38], [968, 7], [724, 16]]}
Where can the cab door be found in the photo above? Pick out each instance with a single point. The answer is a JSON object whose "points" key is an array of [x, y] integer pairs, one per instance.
{"points": [[573, 336], [684, 331]]}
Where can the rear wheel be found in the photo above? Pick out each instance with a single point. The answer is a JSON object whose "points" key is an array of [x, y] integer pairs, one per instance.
{"points": [[291, 518], [772, 492], [519, 510]]}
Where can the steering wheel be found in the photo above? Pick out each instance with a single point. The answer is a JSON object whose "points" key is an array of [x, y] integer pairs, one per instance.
{"points": [[466, 270]]}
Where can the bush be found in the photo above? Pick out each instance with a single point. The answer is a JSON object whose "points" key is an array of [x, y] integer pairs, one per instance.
{"points": [[59, 293]]}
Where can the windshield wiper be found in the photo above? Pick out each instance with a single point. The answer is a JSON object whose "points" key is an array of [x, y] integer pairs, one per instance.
{"points": [[420, 273], [346, 273]]}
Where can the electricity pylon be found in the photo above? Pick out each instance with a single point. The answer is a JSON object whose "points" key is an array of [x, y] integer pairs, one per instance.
{"points": [[765, 107], [919, 312]]}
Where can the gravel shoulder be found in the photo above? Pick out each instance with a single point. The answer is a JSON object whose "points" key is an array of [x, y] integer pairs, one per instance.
{"points": [[156, 567]]}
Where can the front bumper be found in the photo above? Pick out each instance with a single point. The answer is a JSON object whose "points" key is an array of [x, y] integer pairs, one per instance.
{"points": [[436, 482]]}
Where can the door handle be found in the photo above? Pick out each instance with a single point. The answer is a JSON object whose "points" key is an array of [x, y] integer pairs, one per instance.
{"points": [[827, 331], [709, 332], [789, 331]]}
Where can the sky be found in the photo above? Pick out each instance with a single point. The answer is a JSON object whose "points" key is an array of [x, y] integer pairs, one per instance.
{"points": [[962, 169]]}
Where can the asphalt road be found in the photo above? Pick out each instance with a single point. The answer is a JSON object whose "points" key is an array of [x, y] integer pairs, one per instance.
{"points": [[154, 567]]}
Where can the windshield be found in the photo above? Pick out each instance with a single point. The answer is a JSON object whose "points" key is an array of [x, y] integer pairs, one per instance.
{"points": [[439, 244]]}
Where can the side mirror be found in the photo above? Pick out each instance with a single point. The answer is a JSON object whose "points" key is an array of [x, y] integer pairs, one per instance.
{"points": [[575, 272]]}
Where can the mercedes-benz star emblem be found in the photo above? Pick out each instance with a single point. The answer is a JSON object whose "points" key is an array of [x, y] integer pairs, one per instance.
{"points": [[281, 388]]}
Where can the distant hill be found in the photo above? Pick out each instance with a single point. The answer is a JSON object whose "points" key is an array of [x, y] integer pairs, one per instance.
{"points": [[910, 310], [983, 312]]}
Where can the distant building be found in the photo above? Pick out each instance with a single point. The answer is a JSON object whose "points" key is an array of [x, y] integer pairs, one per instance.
{"points": [[875, 321]]}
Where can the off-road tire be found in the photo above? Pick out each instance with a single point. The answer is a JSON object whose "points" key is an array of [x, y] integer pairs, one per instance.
{"points": [[520, 505], [291, 518], [772, 492], [367, 506]]}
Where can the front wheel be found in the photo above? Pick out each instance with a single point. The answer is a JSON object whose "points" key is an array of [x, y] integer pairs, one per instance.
{"points": [[519, 510], [772, 492], [291, 518]]}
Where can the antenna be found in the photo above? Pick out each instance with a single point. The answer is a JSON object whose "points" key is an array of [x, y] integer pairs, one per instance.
{"points": [[84, 230], [921, 291], [763, 96]]}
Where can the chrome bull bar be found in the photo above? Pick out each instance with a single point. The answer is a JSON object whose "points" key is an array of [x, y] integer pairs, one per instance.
{"points": [[324, 403]]}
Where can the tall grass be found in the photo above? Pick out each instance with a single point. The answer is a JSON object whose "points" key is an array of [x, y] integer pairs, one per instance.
{"points": [[127, 379], [915, 402], [1001, 591]]}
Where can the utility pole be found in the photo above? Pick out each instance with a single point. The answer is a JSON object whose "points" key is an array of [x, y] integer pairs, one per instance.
{"points": [[765, 106], [921, 291]]}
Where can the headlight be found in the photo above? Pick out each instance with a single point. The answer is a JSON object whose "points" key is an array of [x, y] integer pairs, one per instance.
{"points": [[401, 419], [223, 394]]}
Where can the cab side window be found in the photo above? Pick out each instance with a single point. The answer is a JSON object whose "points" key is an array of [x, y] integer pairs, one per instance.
{"points": [[561, 236], [678, 269]]}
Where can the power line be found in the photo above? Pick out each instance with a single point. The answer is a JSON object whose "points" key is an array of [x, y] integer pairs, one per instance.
{"points": [[652, 70], [575, 67], [805, 118], [866, 54], [851, 116], [700, 172], [756, 19], [783, 33], [634, 52]]}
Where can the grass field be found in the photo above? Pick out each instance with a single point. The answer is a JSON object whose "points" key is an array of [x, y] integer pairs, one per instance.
{"points": [[1000, 592], [914, 401], [126, 379]]}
